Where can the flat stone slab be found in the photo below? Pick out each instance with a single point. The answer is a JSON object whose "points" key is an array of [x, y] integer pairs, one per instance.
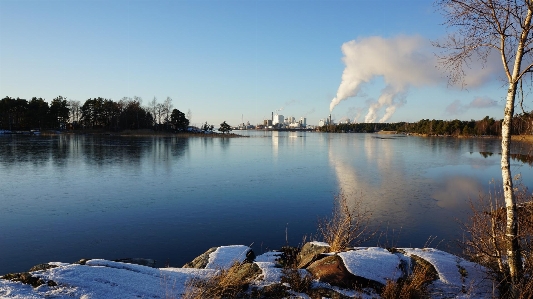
{"points": [[376, 264], [224, 256]]}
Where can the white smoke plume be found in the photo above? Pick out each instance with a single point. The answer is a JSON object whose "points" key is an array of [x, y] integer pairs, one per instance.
{"points": [[402, 61], [354, 113]]}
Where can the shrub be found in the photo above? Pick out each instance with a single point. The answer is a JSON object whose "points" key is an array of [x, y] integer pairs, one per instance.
{"points": [[485, 241], [347, 227], [299, 280], [226, 283], [412, 287]]}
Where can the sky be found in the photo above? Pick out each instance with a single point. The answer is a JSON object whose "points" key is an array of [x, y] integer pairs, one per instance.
{"points": [[240, 61]]}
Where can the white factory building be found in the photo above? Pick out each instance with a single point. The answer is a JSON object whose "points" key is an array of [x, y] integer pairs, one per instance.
{"points": [[280, 121], [325, 121]]}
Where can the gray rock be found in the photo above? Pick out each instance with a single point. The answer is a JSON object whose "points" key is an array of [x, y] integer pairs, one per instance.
{"points": [[310, 252], [42, 267], [200, 261], [26, 278], [246, 272], [82, 261]]}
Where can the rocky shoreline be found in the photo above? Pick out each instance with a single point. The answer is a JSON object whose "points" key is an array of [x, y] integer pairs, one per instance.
{"points": [[358, 272]]}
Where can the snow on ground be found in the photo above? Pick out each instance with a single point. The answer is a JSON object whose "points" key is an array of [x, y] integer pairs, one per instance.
{"points": [[456, 275], [320, 243], [271, 272], [373, 263], [106, 279]]}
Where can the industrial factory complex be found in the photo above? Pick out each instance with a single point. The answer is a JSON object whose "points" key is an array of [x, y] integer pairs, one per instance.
{"points": [[280, 122]]}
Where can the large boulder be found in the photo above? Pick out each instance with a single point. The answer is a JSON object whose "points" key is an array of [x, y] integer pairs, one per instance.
{"points": [[246, 272], [332, 270], [310, 252], [42, 267], [222, 257], [373, 263], [27, 278], [200, 261]]}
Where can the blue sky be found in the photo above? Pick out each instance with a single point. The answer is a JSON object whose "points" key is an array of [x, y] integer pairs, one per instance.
{"points": [[233, 60]]}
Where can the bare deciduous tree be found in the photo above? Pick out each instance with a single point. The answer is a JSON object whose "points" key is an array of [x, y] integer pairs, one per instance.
{"points": [[167, 109], [159, 112], [481, 27], [189, 115], [152, 107], [75, 110]]}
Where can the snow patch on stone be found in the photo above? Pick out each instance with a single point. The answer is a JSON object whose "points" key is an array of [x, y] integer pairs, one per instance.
{"points": [[372, 263], [225, 256]]}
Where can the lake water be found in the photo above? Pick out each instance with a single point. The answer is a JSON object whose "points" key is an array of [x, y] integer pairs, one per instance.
{"points": [[67, 197]]}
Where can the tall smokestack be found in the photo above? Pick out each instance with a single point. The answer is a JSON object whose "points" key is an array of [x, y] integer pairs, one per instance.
{"points": [[330, 119], [272, 119]]}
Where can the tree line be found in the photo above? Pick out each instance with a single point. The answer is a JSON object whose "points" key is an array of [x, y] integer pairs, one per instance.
{"points": [[488, 126], [96, 113]]}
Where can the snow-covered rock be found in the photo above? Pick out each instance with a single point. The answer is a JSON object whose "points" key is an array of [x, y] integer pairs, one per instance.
{"points": [[97, 278]]}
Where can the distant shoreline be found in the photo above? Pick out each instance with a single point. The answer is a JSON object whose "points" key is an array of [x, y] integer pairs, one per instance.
{"points": [[525, 138], [129, 133], [151, 133]]}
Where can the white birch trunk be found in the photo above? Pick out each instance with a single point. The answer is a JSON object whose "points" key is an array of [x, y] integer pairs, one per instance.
{"points": [[513, 250], [513, 246]]}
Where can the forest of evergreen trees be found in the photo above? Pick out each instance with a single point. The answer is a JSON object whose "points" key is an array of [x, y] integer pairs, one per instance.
{"points": [[522, 125], [97, 113], [129, 113]]}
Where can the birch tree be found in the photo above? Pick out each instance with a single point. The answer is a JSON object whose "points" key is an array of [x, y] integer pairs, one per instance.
{"points": [[477, 29], [75, 110], [152, 107], [167, 109]]}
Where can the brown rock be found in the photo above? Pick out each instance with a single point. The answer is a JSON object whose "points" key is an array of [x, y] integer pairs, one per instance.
{"points": [[25, 278], [332, 270], [42, 267]]}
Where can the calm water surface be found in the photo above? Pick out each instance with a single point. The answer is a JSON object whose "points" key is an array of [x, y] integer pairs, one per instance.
{"points": [[67, 197]]}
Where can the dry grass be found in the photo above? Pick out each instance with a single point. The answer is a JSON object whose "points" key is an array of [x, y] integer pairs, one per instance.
{"points": [[168, 286], [412, 287], [347, 227], [226, 283], [299, 280]]}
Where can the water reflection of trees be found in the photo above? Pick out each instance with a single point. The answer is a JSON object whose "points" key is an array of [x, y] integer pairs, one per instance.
{"points": [[63, 150], [179, 146], [524, 158], [486, 154], [224, 143], [99, 150], [19, 150]]}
